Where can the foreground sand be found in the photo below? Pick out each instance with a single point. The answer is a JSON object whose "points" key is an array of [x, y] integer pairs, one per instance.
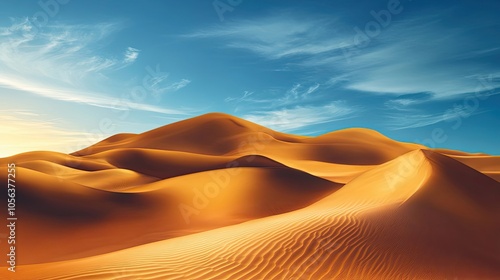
{"points": [[216, 197]]}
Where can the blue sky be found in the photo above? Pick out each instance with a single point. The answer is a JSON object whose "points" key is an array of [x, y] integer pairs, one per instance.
{"points": [[75, 72]]}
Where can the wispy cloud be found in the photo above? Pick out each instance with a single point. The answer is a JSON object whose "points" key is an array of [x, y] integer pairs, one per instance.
{"points": [[400, 104], [408, 101], [297, 93], [411, 56], [415, 56], [419, 119], [160, 85], [300, 117], [245, 97], [81, 97], [62, 53], [131, 55], [312, 89], [178, 85], [277, 37], [60, 61]]}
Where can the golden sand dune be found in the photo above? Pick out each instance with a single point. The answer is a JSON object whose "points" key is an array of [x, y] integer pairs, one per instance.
{"points": [[61, 212], [403, 231], [221, 134], [217, 197]]}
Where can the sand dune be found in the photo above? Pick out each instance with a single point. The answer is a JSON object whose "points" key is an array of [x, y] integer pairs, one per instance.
{"points": [[217, 197], [61, 212], [390, 236], [221, 134]]}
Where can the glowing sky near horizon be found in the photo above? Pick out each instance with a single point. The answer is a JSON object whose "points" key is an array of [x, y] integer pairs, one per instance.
{"points": [[417, 71]]}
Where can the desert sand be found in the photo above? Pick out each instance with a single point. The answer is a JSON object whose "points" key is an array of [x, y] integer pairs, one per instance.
{"points": [[218, 197]]}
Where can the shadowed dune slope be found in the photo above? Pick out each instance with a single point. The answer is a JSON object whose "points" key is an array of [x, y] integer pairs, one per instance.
{"points": [[489, 165], [167, 164]]}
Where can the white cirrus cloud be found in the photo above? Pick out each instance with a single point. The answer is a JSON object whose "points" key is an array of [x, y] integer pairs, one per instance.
{"points": [[409, 56], [178, 85], [82, 97], [277, 37], [131, 54], [60, 61], [60, 53], [417, 119], [300, 117], [297, 93]]}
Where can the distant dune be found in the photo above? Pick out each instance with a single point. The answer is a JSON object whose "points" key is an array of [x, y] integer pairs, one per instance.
{"points": [[218, 197]]}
